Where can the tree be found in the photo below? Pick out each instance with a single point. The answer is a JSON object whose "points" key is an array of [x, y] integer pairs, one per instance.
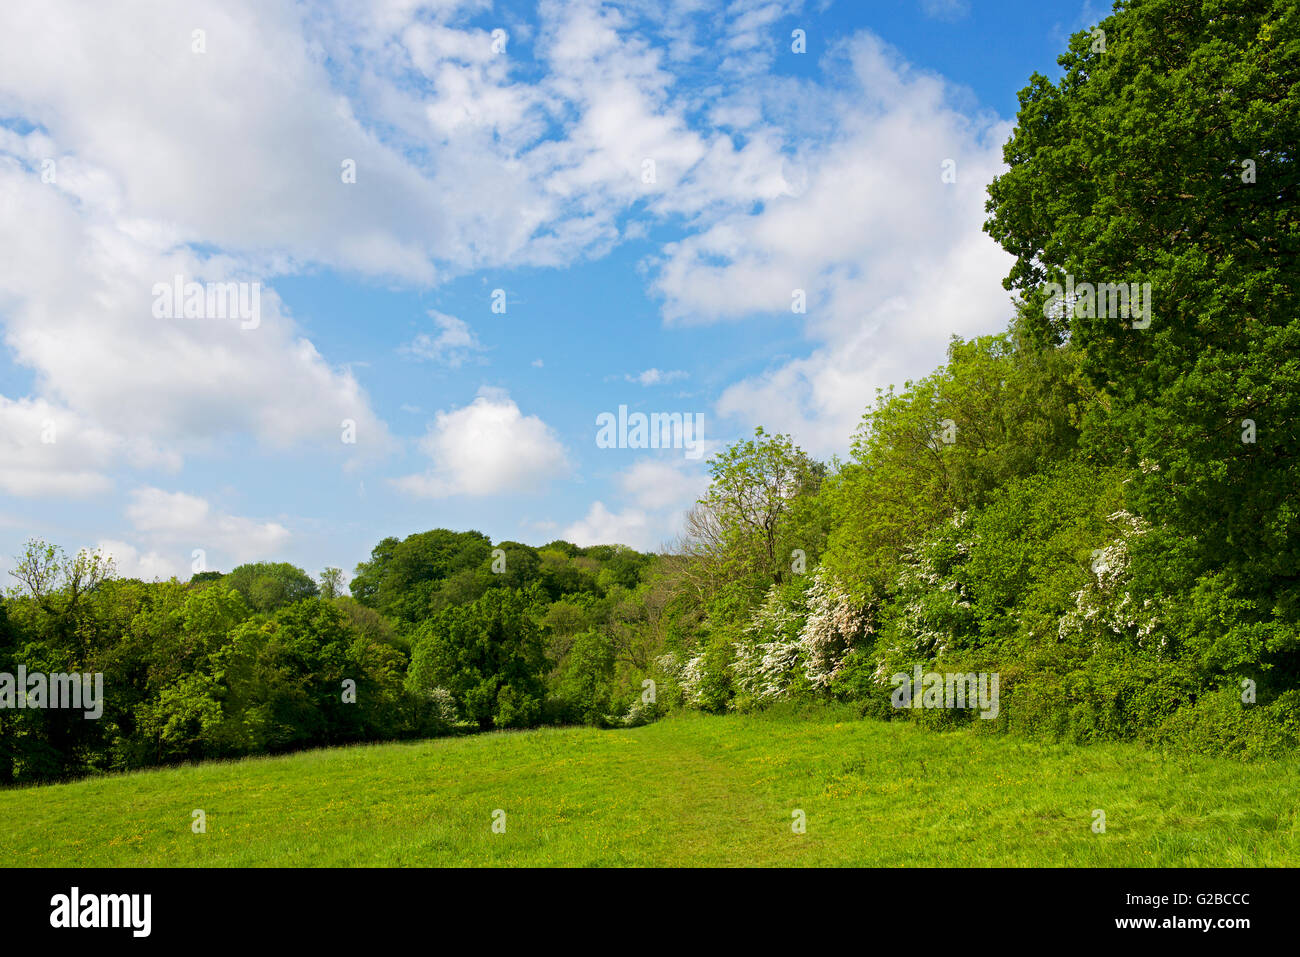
{"points": [[58, 585], [562, 573], [56, 581], [1000, 408], [331, 582], [517, 565], [586, 681], [402, 578], [741, 528], [267, 586], [1167, 156], [489, 654]]}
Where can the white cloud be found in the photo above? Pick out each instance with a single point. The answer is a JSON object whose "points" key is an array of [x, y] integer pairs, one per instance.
{"points": [[656, 485], [488, 447], [178, 523], [454, 171], [947, 10], [656, 377], [890, 258], [79, 297], [465, 160], [600, 526], [130, 562], [450, 346], [658, 493], [162, 120], [454, 166], [47, 450]]}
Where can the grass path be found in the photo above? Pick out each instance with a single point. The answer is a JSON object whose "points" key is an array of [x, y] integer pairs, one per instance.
{"points": [[686, 791]]}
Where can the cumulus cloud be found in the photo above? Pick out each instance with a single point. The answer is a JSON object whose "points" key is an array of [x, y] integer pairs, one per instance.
{"points": [[393, 142], [488, 447], [82, 295], [177, 534], [387, 141], [464, 159], [657, 494], [886, 257], [180, 519], [48, 450], [656, 484], [600, 526], [130, 562], [256, 87]]}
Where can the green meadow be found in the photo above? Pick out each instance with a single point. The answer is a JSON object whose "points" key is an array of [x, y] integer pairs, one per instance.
{"points": [[686, 791]]}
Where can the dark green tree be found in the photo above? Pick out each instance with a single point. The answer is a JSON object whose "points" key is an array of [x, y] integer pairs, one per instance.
{"points": [[586, 681], [1167, 155], [267, 586], [489, 654], [402, 578]]}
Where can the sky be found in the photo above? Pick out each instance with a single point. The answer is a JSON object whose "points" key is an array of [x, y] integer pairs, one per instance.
{"points": [[424, 250]]}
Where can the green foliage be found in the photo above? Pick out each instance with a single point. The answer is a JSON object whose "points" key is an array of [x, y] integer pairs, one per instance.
{"points": [[585, 689], [262, 660], [267, 586], [1133, 168], [995, 412], [746, 526], [331, 582], [402, 578], [1032, 550], [489, 655]]}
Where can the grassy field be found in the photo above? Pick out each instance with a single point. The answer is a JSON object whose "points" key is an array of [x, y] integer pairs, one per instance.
{"points": [[685, 791]]}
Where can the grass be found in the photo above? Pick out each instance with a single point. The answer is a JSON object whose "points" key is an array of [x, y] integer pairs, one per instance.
{"points": [[691, 790]]}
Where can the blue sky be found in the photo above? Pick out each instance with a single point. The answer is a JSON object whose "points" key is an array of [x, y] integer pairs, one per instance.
{"points": [[650, 186]]}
